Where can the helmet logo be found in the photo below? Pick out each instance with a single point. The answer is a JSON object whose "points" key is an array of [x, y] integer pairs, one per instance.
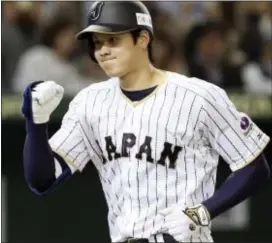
{"points": [[144, 19], [96, 10]]}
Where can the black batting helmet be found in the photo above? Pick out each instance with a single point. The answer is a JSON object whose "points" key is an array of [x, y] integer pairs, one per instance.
{"points": [[115, 17]]}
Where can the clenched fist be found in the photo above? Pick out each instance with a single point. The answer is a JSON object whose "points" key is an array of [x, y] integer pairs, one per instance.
{"points": [[40, 99]]}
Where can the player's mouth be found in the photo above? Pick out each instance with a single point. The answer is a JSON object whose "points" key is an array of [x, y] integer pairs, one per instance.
{"points": [[107, 60]]}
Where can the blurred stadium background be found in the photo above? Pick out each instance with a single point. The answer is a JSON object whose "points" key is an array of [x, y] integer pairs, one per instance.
{"points": [[226, 43]]}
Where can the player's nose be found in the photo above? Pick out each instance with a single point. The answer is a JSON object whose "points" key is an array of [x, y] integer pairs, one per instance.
{"points": [[105, 50]]}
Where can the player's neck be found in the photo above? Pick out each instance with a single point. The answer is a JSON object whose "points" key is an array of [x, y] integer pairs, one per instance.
{"points": [[142, 78]]}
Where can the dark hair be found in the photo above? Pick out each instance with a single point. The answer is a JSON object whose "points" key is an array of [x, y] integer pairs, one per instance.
{"points": [[51, 31], [135, 35]]}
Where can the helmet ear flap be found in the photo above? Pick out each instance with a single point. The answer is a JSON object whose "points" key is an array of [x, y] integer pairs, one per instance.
{"points": [[90, 44]]}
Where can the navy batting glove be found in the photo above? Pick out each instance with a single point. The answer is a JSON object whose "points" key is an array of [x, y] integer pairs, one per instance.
{"points": [[26, 107]]}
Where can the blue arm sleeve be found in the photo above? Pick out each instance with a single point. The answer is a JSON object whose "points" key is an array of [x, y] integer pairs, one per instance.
{"points": [[239, 186], [38, 158]]}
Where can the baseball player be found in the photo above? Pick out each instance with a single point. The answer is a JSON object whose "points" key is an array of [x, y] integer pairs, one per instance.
{"points": [[154, 136]]}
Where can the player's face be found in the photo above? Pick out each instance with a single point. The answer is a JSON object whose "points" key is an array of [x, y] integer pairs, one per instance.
{"points": [[116, 53]]}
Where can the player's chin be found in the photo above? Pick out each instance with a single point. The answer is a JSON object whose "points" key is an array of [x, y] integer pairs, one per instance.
{"points": [[114, 72]]}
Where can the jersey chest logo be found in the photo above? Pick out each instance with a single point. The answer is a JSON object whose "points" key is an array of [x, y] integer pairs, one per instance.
{"points": [[129, 140]]}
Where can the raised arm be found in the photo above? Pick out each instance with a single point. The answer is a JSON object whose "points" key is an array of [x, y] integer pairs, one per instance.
{"points": [[43, 169]]}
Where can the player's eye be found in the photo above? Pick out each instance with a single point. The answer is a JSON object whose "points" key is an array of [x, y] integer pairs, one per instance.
{"points": [[113, 40], [97, 44]]}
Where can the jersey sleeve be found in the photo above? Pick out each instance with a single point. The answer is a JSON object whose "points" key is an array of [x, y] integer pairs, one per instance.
{"points": [[71, 141], [231, 133]]}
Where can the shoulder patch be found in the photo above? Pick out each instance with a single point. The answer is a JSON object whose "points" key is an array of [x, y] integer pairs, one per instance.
{"points": [[246, 124]]}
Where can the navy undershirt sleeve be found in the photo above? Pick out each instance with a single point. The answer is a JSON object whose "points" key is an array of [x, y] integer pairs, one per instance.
{"points": [[239, 186], [38, 160]]}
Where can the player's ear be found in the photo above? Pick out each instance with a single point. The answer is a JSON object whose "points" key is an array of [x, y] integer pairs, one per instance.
{"points": [[143, 39]]}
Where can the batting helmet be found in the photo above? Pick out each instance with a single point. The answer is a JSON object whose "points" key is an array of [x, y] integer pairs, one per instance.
{"points": [[115, 17]]}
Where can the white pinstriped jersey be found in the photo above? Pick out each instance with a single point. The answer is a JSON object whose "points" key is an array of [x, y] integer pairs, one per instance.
{"points": [[161, 151]]}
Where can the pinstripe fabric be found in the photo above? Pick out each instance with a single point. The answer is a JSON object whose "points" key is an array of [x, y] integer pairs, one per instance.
{"points": [[157, 153]]}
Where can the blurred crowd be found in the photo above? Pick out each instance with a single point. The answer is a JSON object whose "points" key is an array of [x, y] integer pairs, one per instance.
{"points": [[225, 43]]}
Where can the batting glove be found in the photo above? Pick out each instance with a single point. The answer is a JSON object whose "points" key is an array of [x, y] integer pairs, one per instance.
{"points": [[40, 99], [184, 224]]}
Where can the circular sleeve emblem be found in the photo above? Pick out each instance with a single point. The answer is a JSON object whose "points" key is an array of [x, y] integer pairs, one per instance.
{"points": [[244, 123]]}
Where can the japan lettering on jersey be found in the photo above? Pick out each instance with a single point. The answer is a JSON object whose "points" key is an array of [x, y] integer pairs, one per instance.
{"points": [[158, 152]]}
